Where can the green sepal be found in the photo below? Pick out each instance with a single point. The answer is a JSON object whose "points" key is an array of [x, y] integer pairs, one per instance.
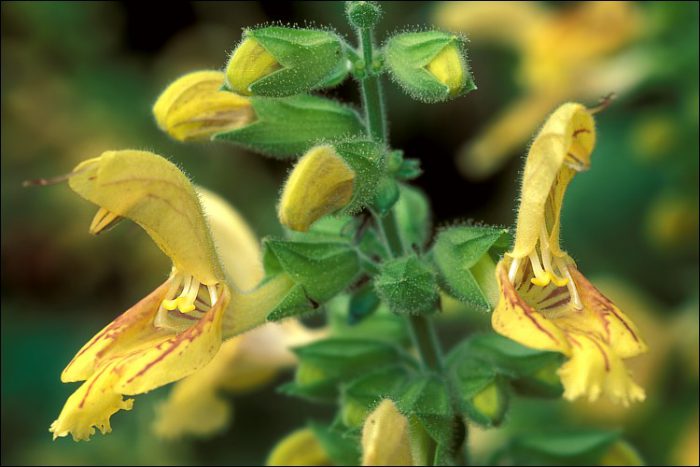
{"points": [[340, 448], [308, 58], [407, 56], [407, 285], [365, 158], [426, 398], [324, 364], [386, 195], [361, 395], [465, 268], [320, 270], [327, 229], [288, 127], [413, 216], [402, 169]]}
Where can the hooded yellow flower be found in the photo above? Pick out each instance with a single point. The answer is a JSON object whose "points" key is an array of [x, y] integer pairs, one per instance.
{"points": [[244, 362], [179, 327], [545, 302], [574, 52]]}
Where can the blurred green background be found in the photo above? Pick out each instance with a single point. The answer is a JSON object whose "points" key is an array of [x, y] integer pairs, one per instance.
{"points": [[80, 78]]}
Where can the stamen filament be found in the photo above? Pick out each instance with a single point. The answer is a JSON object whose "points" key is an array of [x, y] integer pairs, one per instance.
{"points": [[213, 294], [513, 270], [573, 292], [547, 259], [541, 278]]}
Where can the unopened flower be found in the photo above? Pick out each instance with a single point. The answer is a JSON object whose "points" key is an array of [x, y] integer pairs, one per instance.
{"points": [[545, 302], [386, 437], [179, 327], [193, 107], [301, 447], [321, 183]]}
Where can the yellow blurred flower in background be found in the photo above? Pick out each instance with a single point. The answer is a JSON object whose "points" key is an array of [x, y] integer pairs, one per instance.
{"points": [[576, 52]]}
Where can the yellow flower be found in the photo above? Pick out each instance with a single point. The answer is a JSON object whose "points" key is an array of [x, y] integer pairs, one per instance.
{"points": [[575, 52], [179, 327], [243, 362], [321, 183], [545, 302], [193, 107], [386, 438], [301, 447], [449, 68]]}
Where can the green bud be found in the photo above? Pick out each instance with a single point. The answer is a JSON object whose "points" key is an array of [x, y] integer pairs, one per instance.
{"points": [[488, 406], [407, 285], [320, 271], [363, 15], [466, 270], [290, 126], [431, 66], [386, 196], [277, 61]]}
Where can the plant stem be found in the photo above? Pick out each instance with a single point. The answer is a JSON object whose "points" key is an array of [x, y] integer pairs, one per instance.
{"points": [[372, 98], [422, 328]]}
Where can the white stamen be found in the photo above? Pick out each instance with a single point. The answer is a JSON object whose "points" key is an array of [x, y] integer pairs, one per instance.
{"points": [[513, 270], [213, 294], [573, 292]]}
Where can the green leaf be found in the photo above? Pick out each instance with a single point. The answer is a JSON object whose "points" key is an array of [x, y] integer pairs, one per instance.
{"points": [[309, 57], [381, 325], [427, 399], [363, 303], [341, 448], [321, 270], [531, 372], [556, 448], [461, 255], [324, 364], [408, 55], [361, 395], [407, 285], [289, 126], [413, 216]]}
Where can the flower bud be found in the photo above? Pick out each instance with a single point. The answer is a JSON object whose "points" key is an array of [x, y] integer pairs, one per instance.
{"points": [[194, 108], [489, 405], [431, 66], [448, 68], [386, 438], [321, 183], [277, 61], [363, 14], [249, 63]]}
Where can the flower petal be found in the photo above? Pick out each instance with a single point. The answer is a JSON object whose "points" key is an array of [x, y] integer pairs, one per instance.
{"points": [[620, 332], [91, 406], [594, 369], [168, 359], [154, 193], [130, 328], [515, 319]]}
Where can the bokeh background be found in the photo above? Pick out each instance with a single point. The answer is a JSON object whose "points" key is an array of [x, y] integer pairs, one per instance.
{"points": [[80, 78]]}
